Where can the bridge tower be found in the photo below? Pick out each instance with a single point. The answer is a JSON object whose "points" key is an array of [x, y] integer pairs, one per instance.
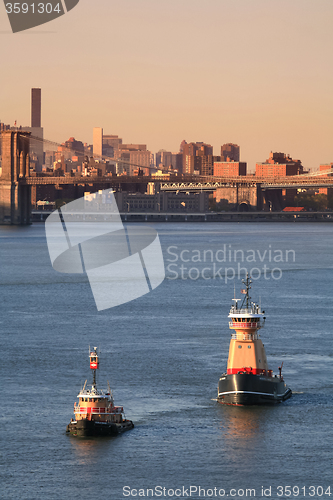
{"points": [[14, 193]]}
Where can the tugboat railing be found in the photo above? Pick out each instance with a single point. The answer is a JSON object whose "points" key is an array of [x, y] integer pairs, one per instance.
{"points": [[246, 311], [96, 410], [244, 336], [247, 324]]}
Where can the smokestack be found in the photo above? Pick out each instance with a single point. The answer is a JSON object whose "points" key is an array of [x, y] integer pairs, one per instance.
{"points": [[36, 104]]}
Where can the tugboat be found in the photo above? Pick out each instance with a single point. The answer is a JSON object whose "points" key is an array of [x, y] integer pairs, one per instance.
{"points": [[96, 415], [248, 380]]}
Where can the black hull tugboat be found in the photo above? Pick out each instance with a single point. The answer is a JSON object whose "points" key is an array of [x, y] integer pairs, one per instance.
{"points": [[248, 380], [95, 414]]}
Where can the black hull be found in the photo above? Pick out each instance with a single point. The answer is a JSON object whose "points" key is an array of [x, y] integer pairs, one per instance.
{"points": [[248, 389], [86, 428]]}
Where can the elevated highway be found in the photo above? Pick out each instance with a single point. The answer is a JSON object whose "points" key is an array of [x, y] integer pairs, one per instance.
{"points": [[187, 183]]}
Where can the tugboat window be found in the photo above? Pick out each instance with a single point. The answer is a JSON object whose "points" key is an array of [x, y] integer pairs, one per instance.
{"points": [[239, 347]]}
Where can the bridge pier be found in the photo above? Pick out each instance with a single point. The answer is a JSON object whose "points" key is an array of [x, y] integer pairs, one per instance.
{"points": [[15, 204], [273, 200], [241, 194]]}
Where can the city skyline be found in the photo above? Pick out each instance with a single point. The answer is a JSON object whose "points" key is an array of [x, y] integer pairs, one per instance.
{"points": [[253, 73]]}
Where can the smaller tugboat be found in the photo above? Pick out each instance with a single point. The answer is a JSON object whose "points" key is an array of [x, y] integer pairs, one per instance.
{"points": [[96, 415], [248, 380]]}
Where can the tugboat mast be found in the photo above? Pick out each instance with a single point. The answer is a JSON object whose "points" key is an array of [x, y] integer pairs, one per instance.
{"points": [[94, 364]]}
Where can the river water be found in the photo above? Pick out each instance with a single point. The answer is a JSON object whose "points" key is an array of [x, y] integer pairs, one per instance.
{"points": [[163, 354]]}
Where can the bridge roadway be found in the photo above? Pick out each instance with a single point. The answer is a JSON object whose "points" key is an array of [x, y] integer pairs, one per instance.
{"points": [[187, 182]]}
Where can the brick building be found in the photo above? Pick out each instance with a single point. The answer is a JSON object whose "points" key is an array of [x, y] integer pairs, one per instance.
{"points": [[279, 165], [229, 168]]}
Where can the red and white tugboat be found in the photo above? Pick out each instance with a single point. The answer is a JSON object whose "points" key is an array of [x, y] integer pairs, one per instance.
{"points": [[248, 380], [96, 415]]}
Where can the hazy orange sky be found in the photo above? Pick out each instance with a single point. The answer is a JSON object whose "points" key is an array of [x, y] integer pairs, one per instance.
{"points": [[257, 73]]}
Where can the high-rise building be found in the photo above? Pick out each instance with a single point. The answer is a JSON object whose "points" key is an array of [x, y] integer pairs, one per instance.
{"points": [[204, 149], [205, 159], [198, 158], [177, 161], [69, 149], [136, 158], [173, 161], [163, 158], [205, 164], [36, 129], [98, 141], [36, 107], [110, 144], [230, 152], [189, 154], [182, 145]]}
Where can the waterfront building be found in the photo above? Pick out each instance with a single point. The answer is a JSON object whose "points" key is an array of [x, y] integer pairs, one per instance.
{"points": [[162, 202]]}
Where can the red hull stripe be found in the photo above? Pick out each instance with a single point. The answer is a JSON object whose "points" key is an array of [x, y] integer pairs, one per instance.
{"points": [[247, 369]]}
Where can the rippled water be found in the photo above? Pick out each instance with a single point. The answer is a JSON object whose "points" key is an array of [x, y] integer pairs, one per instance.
{"points": [[163, 354]]}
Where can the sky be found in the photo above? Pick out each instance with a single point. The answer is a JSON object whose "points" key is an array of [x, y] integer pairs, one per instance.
{"points": [[257, 73]]}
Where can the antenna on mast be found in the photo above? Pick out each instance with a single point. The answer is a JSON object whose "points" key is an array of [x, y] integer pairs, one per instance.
{"points": [[247, 282]]}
